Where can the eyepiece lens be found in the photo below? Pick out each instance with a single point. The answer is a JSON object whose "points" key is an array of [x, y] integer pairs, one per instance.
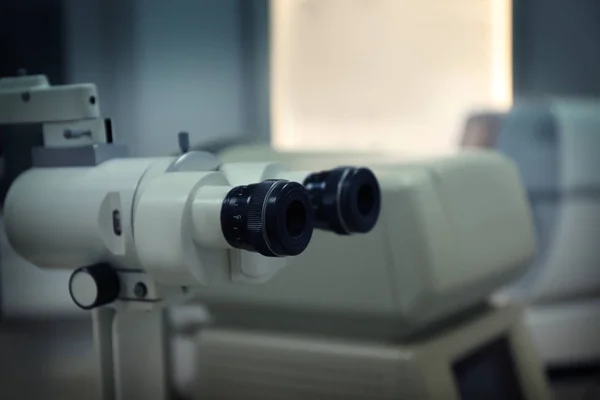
{"points": [[365, 199], [296, 218], [274, 218], [346, 200]]}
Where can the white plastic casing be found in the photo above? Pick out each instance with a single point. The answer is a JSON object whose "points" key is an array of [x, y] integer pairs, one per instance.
{"points": [[63, 217], [168, 222], [164, 231], [45, 103], [451, 232]]}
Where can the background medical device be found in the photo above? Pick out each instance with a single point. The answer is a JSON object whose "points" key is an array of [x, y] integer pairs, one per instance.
{"points": [[400, 312], [555, 145]]}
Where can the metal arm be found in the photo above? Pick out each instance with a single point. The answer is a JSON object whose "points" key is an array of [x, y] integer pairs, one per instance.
{"points": [[70, 114]]}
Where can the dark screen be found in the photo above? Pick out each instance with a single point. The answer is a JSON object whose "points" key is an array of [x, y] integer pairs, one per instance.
{"points": [[488, 374]]}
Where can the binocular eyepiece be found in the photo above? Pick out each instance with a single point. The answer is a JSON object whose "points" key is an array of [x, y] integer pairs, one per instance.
{"points": [[273, 217], [276, 217], [345, 200]]}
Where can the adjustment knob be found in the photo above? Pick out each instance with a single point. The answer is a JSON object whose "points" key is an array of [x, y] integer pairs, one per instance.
{"points": [[94, 286]]}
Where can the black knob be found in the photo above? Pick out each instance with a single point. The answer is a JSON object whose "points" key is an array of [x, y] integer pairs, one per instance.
{"points": [[273, 218], [346, 200], [94, 286]]}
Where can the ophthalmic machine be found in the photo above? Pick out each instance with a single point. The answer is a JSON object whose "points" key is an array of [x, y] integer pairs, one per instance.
{"points": [[143, 234], [554, 143], [401, 312]]}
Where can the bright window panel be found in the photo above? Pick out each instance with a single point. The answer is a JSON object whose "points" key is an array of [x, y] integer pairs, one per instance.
{"points": [[398, 76]]}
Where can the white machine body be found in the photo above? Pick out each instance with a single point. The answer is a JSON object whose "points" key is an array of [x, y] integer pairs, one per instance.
{"points": [[451, 231], [63, 217]]}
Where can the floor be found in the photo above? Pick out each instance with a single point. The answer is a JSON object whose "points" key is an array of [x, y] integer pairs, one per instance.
{"points": [[60, 358]]}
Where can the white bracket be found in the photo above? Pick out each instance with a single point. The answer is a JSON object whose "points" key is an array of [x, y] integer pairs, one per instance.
{"points": [[131, 339], [70, 113]]}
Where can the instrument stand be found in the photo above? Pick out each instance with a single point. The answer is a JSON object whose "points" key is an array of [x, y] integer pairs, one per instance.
{"points": [[133, 352]]}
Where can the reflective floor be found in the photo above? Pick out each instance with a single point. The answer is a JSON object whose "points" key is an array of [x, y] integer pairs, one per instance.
{"points": [[55, 360]]}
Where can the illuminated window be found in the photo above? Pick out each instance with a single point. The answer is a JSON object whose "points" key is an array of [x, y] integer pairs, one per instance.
{"points": [[386, 75]]}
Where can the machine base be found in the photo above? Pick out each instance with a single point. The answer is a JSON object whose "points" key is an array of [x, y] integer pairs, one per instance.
{"points": [[490, 356]]}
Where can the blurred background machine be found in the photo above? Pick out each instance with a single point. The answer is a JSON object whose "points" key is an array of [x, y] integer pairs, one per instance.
{"points": [[553, 142]]}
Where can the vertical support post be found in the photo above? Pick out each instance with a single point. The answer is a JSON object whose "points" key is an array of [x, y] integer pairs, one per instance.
{"points": [[133, 354], [102, 320]]}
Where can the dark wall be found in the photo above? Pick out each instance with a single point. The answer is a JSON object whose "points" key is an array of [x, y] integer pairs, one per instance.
{"points": [[556, 47], [30, 38]]}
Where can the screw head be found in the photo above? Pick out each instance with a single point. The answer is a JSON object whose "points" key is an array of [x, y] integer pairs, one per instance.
{"points": [[140, 290], [116, 222]]}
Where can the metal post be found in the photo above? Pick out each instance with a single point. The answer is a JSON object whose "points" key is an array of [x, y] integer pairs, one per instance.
{"points": [[133, 354]]}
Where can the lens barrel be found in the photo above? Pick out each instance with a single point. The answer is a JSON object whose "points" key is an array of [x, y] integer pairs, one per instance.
{"points": [[345, 200], [274, 218]]}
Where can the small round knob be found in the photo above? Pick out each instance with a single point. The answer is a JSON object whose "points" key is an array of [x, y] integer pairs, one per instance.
{"points": [[94, 286]]}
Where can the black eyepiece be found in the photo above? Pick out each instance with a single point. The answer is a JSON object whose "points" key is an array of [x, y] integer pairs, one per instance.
{"points": [[273, 218], [346, 200]]}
